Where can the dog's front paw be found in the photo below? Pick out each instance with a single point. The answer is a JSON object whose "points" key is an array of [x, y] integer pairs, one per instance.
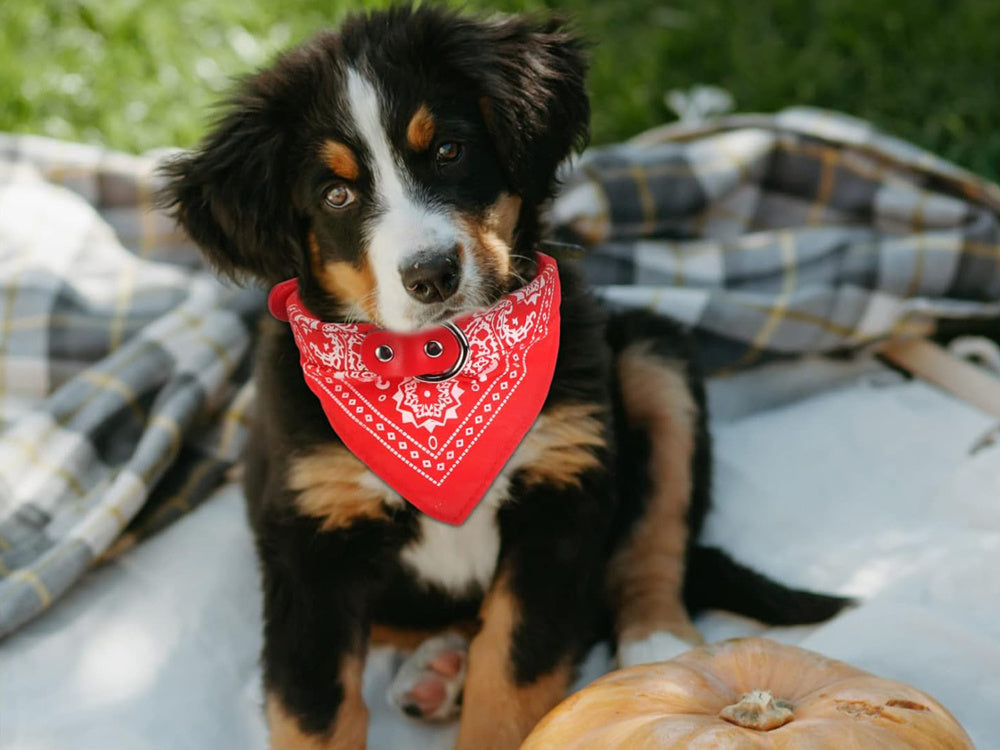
{"points": [[429, 684]]}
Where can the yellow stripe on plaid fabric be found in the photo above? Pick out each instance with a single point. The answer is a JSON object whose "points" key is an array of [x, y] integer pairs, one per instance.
{"points": [[919, 259], [107, 382], [786, 242], [680, 170], [5, 328], [646, 201], [32, 447], [829, 159], [33, 576], [215, 346], [138, 488], [981, 249], [29, 578], [234, 418], [824, 324], [167, 456], [170, 426], [31, 452], [117, 328], [678, 253]]}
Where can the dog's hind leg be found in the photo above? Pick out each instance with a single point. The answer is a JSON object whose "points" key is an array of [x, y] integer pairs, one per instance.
{"points": [[664, 459]]}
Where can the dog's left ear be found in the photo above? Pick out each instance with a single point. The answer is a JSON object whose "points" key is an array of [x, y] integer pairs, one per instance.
{"points": [[233, 194], [530, 77]]}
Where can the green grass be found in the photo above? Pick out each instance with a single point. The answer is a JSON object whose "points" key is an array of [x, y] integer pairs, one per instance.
{"points": [[138, 74]]}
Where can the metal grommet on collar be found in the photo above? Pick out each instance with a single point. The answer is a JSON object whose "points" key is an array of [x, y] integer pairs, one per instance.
{"points": [[463, 356], [433, 348], [384, 353]]}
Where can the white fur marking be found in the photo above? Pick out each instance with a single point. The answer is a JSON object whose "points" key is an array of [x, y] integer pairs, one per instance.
{"points": [[456, 557], [405, 227], [657, 647]]}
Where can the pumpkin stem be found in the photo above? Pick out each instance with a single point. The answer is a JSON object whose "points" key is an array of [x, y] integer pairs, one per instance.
{"points": [[758, 710]]}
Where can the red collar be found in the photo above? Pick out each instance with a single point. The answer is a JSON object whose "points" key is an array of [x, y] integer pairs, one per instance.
{"points": [[436, 413]]}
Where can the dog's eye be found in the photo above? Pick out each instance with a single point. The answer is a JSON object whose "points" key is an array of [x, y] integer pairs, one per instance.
{"points": [[338, 196], [448, 152]]}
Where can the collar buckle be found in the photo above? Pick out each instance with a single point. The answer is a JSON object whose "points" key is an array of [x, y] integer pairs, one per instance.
{"points": [[463, 357]]}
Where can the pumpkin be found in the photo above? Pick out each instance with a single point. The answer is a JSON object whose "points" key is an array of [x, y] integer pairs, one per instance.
{"points": [[748, 694]]}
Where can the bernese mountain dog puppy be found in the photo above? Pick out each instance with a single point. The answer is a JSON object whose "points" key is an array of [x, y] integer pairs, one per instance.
{"points": [[398, 168]]}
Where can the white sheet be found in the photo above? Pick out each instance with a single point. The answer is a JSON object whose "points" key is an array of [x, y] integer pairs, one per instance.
{"points": [[865, 490]]}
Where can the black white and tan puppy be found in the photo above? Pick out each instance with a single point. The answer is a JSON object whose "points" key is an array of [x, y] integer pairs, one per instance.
{"points": [[398, 168]]}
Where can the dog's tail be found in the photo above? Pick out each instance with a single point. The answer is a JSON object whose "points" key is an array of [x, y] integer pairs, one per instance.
{"points": [[714, 580]]}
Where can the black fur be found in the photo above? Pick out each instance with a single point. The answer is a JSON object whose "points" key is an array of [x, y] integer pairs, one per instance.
{"points": [[515, 89]]}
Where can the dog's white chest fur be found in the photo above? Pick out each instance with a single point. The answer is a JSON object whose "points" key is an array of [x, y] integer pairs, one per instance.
{"points": [[456, 557]]}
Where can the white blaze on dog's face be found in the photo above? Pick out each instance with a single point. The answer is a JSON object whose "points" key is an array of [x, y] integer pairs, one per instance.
{"points": [[417, 222], [397, 167], [427, 257]]}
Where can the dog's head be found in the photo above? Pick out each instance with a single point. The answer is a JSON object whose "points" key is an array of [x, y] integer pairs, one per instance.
{"points": [[396, 166]]}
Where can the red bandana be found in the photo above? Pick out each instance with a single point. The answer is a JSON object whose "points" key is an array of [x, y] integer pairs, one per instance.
{"points": [[436, 413]]}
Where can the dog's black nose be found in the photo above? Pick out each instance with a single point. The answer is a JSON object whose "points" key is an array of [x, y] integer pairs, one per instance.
{"points": [[431, 277]]}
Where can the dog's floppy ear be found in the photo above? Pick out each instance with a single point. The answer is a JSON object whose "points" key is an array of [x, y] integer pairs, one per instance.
{"points": [[233, 193], [531, 78]]}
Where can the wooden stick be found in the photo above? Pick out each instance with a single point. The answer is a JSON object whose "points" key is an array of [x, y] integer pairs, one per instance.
{"points": [[937, 365]]}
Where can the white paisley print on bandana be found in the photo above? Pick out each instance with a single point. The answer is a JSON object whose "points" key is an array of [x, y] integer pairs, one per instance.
{"points": [[438, 443], [428, 405]]}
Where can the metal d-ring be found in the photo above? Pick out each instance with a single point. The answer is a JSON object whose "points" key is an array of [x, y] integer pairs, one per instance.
{"points": [[463, 356]]}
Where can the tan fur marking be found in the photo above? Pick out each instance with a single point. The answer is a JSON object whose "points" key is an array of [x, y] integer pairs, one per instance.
{"points": [[501, 219], [493, 235], [498, 714], [339, 157], [405, 639], [420, 131], [348, 283], [647, 573], [350, 728], [336, 487], [559, 447]]}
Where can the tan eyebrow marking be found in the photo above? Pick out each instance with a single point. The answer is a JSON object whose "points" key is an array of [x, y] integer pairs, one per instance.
{"points": [[420, 131], [340, 159]]}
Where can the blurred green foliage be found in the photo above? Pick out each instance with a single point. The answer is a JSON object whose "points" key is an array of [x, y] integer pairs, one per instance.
{"points": [[138, 74]]}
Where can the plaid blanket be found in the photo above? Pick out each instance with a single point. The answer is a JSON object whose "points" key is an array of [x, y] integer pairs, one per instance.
{"points": [[775, 235], [124, 393]]}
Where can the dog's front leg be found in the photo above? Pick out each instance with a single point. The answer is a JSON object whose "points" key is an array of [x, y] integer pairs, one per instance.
{"points": [[537, 617], [315, 634]]}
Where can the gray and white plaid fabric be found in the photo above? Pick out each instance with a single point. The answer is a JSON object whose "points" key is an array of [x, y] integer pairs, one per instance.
{"points": [[122, 366], [775, 235], [123, 362]]}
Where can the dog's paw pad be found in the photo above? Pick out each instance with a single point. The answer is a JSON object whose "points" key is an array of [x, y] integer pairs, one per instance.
{"points": [[429, 684]]}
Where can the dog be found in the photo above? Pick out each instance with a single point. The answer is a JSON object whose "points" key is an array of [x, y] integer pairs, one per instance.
{"points": [[398, 169]]}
